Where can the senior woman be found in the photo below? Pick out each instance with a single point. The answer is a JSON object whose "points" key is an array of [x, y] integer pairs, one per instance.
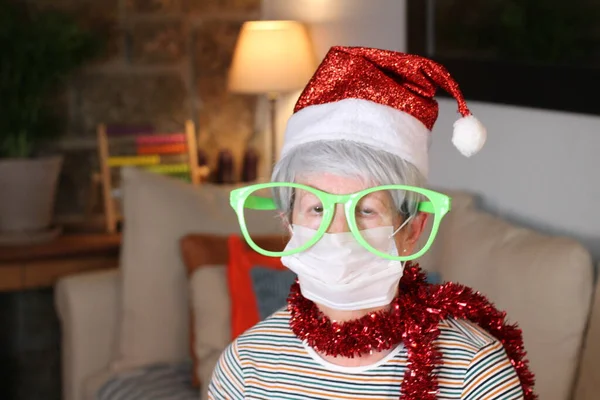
{"points": [[361, 322]]}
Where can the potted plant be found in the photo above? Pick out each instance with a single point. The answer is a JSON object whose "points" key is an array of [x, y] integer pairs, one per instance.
{"points": [[41, 48]]}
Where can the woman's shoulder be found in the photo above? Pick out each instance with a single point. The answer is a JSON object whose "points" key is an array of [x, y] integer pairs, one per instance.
{"points": [[463, 335], [272, 331]]}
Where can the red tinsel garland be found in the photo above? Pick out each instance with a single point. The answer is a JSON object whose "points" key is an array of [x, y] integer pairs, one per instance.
{"points": [[413, 319]]}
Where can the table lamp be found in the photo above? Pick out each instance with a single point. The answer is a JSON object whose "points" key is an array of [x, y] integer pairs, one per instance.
{"points": [[271, 58]]}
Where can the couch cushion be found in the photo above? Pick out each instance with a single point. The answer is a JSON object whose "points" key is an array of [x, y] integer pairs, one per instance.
{"points": [[210, 322], [460, 199], [431, 260], [544, 283], [205, 257], [588, 382], [158, 211]]}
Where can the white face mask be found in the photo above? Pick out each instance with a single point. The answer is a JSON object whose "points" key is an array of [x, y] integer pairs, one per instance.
{"points": [[340, 273]]}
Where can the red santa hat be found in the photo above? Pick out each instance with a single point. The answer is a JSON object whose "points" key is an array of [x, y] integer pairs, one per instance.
{"points": [[381, 98]]}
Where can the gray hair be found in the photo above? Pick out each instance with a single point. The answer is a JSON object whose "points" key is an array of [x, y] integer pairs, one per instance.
{"points": [[348, 159]]}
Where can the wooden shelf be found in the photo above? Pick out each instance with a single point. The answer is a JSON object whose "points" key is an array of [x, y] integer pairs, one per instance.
{"points": [[41, 265]]}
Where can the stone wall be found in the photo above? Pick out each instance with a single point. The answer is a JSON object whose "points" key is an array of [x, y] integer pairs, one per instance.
{"points": [[167, 62]]}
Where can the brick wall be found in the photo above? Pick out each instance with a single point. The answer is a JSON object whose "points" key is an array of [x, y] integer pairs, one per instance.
{"points": [[167, 61]]}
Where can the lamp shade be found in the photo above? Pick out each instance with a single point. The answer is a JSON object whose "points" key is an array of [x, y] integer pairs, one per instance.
{"points": [[271, 57]]}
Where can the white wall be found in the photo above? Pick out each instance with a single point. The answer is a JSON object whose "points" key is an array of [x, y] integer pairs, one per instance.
{"points": [[375, 23], [539, 168]]}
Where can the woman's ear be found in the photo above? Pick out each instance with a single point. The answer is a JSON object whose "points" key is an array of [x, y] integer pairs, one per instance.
{"points": [[407, 241], [417, 226]]}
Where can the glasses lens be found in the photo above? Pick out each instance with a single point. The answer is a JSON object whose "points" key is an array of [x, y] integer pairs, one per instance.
{"points": [[265, 224], [385, 214], [285, 210]]}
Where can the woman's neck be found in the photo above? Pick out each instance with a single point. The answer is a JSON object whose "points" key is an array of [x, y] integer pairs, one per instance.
{"points": [[344, 316], [348, 315]]}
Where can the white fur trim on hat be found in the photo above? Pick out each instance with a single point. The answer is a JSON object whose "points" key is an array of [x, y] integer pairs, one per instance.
{"points": [[363, 121]]}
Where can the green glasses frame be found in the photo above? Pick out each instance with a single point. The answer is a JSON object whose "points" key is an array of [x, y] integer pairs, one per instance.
{"points": [[439, 205]]}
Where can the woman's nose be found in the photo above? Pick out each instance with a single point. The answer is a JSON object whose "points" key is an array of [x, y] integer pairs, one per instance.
{"points": [[339, 223]]}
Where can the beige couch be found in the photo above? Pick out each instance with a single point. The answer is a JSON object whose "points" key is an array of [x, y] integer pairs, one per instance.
{"points": [[545, 283]]}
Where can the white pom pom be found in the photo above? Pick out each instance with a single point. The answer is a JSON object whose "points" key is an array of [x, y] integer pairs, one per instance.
{"points": [[469, 135]]}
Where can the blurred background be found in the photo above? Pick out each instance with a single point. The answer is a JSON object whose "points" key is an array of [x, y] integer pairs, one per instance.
{"points": [[200, 91]]}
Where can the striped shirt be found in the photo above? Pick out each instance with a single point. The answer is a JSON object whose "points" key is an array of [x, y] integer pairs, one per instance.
{"points": [[270, 362]]}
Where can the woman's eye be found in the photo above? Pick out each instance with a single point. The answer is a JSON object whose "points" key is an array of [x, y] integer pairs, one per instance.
{"points": [[311, 208], [366, 211]]}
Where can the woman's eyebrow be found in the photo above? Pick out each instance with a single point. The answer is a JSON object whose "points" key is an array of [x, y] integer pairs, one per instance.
{"points": [[381, 197]]}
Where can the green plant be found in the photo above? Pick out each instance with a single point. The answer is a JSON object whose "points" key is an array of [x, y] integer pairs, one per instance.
{"points": [[40, 49]]}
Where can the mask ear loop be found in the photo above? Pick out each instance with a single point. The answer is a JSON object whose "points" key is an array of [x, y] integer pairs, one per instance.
{"points": [[401, 226], [402, 263]]}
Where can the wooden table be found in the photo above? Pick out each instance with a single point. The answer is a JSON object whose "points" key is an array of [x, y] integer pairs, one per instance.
{"points": [[39, 266]]}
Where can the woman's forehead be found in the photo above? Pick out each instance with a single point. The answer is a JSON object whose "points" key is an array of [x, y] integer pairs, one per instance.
{"points": [[334, 184]]}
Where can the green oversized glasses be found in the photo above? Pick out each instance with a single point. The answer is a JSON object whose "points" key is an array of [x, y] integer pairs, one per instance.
{"points": [[312, 210]]}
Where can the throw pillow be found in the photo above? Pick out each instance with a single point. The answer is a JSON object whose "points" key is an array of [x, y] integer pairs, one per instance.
{"points": [[205, 257], [210, 322], [271, 287], [433, 277], [245, 311], [154, 310]]}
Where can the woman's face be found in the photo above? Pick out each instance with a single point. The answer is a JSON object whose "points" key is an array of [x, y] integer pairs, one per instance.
{"points": [[375, 210]]}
